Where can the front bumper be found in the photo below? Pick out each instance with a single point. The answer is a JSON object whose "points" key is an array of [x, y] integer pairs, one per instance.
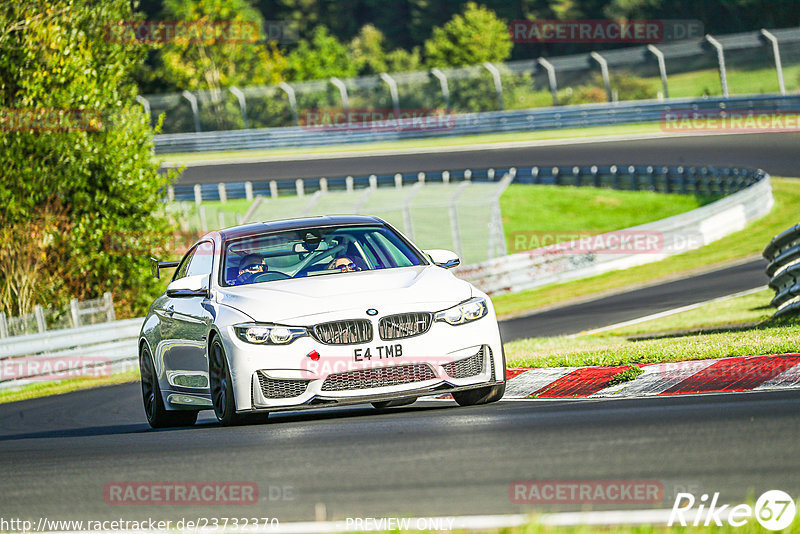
{"points": [[435, 361]]}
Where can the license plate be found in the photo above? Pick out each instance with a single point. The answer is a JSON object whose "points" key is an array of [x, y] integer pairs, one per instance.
{"points": [[381, 352]]}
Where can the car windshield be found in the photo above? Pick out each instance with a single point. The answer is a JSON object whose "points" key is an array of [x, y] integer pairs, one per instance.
{"points": [[314, 252]]}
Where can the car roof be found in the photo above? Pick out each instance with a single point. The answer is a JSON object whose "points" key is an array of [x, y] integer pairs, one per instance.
{"points": [[297, 224]]}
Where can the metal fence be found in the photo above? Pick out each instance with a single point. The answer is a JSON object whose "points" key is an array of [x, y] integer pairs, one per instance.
{"points": [[80, 313], [458, 209], [765, 61], [783, 253]]}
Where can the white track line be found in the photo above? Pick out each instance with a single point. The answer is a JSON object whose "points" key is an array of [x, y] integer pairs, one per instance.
{"points": [[667, 313]]}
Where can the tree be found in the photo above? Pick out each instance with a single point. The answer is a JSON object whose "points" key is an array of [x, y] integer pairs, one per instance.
{"points": [[471, 38], [239, 57], [367, 51], [324, 56], [79, 190]]}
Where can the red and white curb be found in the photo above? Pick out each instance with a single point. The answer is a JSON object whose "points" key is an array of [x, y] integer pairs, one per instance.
{"points": [[743, 373]]}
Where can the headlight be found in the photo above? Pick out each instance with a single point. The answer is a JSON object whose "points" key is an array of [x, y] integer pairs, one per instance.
{"points": [[264, 334], [466, 312]]}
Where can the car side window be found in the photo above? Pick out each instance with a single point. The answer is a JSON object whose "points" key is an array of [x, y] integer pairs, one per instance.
{"points": [[203, 259], [183, 268]]}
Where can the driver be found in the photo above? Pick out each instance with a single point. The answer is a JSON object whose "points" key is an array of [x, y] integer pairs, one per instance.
{"points": [[344, 264], [250, 266]]}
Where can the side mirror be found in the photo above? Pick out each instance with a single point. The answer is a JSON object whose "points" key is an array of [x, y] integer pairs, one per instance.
{"points": [[189, 286], [443, 258], [156, 266]]}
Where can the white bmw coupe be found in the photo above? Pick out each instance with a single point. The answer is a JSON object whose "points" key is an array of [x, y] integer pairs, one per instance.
{"points": [[309, 313]]}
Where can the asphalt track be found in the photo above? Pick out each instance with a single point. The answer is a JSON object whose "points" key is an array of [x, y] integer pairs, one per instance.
{"points": [[629, 305], [775, 153], [431, 459]]}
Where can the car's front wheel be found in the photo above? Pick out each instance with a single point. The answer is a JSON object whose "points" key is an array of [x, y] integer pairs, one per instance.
{"points": [[222, 397], [157, 414]]}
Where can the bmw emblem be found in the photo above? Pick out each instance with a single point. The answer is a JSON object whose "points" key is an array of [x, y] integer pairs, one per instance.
{"points": [[372, 311]]}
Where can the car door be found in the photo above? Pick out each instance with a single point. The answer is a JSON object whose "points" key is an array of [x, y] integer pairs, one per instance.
{"points": [[190, 318]]}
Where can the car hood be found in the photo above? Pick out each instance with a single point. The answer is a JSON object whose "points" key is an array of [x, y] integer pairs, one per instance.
{"points": [[315, 298]]}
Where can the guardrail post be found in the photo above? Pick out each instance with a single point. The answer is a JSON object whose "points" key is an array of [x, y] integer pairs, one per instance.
{"points": [[392, 91], [373, 181], [398, 181], [651, 173], [595, 176], [289, 90], [467, 175], [444, 85], [348, 184], [723, 73], [421, 177], [634, 178], [170, 193], [38, 313], [445, 177], [339, 84], [576, 175], [455, 230], [604, 70], [203, 221], [273, 189], [75, 313], [776, 52], [248, 191], [108, 301], [146, 105], [223, 193], [551, 78], [198, 194], [662, 67], [323, 184], [3, 325], [490, 174], [614, 177], [498, 83], [667, 179], [195, 111], [556, 172], [535, 175], [300, 187], [235, 91]]}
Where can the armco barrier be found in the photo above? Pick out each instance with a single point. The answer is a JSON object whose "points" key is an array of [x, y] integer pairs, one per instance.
{"points": [[476, 123], [674, 235], [783, 253], [85, 351]]}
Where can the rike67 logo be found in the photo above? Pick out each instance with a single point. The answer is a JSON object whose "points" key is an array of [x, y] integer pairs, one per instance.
{"points": [[774, 510]]}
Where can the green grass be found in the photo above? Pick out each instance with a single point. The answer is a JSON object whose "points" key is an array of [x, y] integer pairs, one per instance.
{"points": [[739, 326], [742, 244], [45, 389], [531, 214]]}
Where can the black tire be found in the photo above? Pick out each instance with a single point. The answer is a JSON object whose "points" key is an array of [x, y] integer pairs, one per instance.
{"points": [[486, 394], [221, 388], [157, 414], [473, 397], [382, 405]]}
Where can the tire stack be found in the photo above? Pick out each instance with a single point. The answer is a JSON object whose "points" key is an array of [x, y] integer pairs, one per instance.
{"points": [[783, 254]]}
